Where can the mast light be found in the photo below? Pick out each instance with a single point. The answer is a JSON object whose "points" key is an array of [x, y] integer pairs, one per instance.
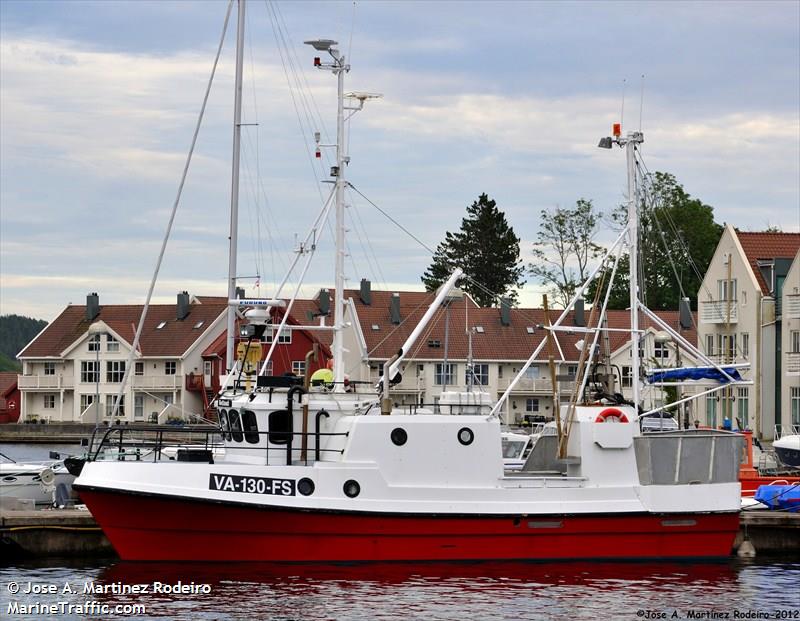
{"points": [[617, 131]]}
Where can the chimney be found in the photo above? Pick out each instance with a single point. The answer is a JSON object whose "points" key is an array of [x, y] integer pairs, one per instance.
{"points": [[685, 314], [324, 302], [240, 293], [183, 305], [92, 306], [505, 311], [394, 308], [579, 319], [366, 291]]}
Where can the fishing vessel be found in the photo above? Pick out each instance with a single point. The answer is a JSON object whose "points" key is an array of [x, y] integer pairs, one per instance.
{"points": [[334, 472]]}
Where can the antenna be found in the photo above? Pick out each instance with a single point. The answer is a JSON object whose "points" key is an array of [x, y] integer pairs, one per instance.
{"points": [[622, 110], [641, 105]]}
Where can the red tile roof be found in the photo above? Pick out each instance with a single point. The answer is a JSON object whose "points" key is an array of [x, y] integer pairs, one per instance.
{"points": [[7, 382], [765, 246], [173, 339]]}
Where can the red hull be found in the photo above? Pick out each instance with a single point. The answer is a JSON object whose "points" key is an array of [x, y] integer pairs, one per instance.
{"points": [[750, 485], [148, 528]]}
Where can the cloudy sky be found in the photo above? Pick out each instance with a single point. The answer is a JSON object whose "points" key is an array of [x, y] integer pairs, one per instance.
{"points": [[98, 102]]}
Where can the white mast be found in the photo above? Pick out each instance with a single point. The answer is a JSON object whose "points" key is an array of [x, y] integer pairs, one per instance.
{"points": [[234, 226], [630, 143]]}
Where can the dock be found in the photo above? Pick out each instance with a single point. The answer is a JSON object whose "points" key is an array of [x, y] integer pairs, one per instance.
{"points": [[52, 533]]}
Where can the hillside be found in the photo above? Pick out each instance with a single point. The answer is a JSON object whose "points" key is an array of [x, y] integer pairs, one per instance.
{"points": [[15, 333]]}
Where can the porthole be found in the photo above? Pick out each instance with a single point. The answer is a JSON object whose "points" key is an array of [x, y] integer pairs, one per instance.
{"points": [[351, 488], [465, 436], [305, 486], [399, 436]]}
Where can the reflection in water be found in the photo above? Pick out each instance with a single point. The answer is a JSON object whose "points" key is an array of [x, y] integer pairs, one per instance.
{"points": [[439, 590]]}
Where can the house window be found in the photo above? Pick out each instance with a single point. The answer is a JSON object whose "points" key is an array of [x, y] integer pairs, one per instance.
{"points": [[268, 370], [480, 374], [627, 377], [86, 401], [532, 405], [112, 344], [660, 351], [138, 407], [532, 372], [94, 342], [49, 402], [711, 411], [500, 371], [795, 405], [727, 290], [115, 370], [742, 405], [745, 337], [445, 373], [794, 341], [709, 344], [284, 338], [299, 367], [572, 371], [170, 366], [110, 405], [49, 368], [138, 368], [90, 371]]}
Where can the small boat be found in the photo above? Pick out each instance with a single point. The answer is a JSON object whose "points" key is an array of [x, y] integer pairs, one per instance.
{"points": [[36, 481], [787, 449]]}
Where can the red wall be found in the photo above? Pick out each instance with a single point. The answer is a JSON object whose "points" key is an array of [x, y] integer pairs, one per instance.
{"points": [[9, 407]]}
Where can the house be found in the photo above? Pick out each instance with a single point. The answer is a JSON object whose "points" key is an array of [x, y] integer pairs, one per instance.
{"points": [[790, 347], [740, 321], [9, 398], [73, 369]]}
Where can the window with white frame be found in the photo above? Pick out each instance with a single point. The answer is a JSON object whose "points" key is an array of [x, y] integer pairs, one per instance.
{"points": [[49, 368], [532, 405], [745, 338], [480, 375], [711, 411], [709, 344], [49, 402], [726, 290], [170, 367], [794, 342], [268, 370], [284, 338], [572, 370], [94, 342], [742, 404], [795, 404], [90, 372], [112, 344], [138, 368], [532, 372], [110, 405], [298, 367], [115, 370], [660, 351], [627, 377], [86, 401], [445, 373], [138, 407]]}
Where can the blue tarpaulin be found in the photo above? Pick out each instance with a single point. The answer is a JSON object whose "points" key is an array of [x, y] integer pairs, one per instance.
{"points": [[694, 373]]}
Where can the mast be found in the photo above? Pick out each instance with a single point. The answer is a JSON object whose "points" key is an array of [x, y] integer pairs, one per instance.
{"points": [[234, 225], [630, 143], [338, 307]]}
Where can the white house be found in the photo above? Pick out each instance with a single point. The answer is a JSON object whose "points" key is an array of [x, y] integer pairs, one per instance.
{"points": [[790, 345]]}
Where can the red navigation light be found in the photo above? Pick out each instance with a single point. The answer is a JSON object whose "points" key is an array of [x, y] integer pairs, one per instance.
{"points": [[318, 154], [317, 61], [617, 129]]}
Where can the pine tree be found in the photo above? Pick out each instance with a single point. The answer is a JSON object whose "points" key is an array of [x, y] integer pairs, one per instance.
{"points": [[486, 249]]}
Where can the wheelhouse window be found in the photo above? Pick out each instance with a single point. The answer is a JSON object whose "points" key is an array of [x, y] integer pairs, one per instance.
{"points": [[170, 367], [112, 344], [90, 371], [480, 375], [235, 422], [250, 427], [224, 424], [445, 373], [115, 370]]}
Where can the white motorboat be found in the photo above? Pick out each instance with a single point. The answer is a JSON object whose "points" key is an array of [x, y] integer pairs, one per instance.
{"points": [[787, 450], [36, 481]]}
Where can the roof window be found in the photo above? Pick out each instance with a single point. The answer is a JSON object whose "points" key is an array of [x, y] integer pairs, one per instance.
{"points": [[199, 324], [529, 329], [161, 325], [436, 344], [479, 329], [376, 327]]}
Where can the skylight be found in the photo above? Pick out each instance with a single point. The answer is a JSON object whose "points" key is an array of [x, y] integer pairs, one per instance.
{"points": [[161, 325], [479, 329], [199, 324], [529, 329], [375, 326]]}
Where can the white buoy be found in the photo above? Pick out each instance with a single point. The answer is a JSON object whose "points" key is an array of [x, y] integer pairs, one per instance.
{"points": [[746, 549]]}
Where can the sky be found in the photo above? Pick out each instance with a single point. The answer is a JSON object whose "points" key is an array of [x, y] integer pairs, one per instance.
{"points": [[99, 100]]}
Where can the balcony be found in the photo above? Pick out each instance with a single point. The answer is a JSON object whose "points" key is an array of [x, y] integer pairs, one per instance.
{"points": [[792, 310], [716, 311], [157, 382], [793, 363], [45, 382], [528, 385], [410, 383]]}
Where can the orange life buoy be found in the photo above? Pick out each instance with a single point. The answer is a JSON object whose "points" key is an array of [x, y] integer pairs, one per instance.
{"points": [[611, 415]]}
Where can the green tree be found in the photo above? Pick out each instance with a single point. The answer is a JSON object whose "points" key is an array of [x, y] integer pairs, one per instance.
{"points": [[564, 247], [486, 249], [677, 238], [15, 333]]}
